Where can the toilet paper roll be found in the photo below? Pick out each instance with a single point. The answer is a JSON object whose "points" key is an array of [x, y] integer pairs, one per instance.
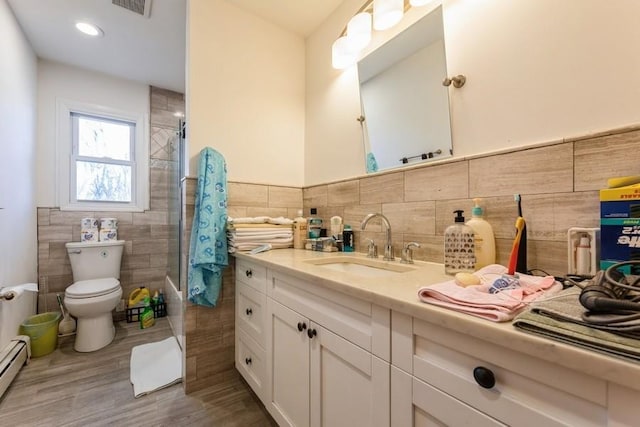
{"points": [[107, 234], [12, 292], [109, 223], [90, 235], [88, 223]]}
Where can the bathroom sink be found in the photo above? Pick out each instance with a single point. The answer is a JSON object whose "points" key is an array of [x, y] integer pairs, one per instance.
{"points": [[361, 266]]}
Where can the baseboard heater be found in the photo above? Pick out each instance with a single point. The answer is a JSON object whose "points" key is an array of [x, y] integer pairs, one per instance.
{"points": [[12, 359]]}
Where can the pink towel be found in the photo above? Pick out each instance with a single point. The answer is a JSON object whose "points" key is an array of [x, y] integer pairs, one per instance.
{"points": [[500, 306]]}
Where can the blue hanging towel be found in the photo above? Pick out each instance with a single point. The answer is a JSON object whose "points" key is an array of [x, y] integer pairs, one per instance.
{"points": [[208, 247]]}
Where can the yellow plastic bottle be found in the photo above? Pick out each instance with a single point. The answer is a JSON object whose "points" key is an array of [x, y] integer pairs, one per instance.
{"points": [[138, 295], [484, 239]]}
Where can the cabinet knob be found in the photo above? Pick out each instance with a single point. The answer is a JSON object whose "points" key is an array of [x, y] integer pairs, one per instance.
{"points": [[311, 333], [249, 273], [484, 377], [248, 311], [247, 361], [302, 326]]}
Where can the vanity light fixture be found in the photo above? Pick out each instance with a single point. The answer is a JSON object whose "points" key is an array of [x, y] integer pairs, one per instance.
{"points": [[357, 34], [89, 29]]}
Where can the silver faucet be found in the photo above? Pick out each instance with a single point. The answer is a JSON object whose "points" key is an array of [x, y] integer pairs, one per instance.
{"points": [[407, 252], [372, 249], [388, 248]]}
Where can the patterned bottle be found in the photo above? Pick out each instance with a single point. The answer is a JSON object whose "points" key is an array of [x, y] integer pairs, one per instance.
{"points": [[459, 251]]}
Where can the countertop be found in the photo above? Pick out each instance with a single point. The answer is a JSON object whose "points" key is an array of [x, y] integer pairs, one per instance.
{"points": [[399, 291]]}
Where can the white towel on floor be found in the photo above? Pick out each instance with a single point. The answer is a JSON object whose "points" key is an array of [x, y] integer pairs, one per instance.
{"points": [[155, 366]]}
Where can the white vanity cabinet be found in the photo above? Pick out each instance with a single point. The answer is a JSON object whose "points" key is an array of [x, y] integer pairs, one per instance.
{"points": [[320, 367], [447, 377], [251, 315]]}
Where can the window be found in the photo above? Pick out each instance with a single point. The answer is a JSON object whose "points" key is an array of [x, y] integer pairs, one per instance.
{"points": [[102, 159]]}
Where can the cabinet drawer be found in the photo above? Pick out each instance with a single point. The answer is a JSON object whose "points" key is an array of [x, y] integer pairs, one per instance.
{"points": [[251, 312], [251, 362], [356, 320], [527, 391], [433, 407], [252, 274]]}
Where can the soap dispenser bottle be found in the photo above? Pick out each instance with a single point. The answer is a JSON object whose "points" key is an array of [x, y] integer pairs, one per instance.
{"points": [[300, 232], [459, 252], [484, 239]]}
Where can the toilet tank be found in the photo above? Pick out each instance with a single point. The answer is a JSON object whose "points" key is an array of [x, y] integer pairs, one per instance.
{"points": [[95, 260]]}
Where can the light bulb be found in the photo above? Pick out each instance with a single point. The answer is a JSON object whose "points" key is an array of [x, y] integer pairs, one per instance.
{"points": [[343, 55], [387, 13], [89, 29], [359, 30]]}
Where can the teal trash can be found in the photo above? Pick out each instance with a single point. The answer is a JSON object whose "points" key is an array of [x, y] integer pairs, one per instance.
{"points": [[42, 329]]}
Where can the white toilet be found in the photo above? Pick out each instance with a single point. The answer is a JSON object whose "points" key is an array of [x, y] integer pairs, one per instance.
{"points": [[95, 292]]}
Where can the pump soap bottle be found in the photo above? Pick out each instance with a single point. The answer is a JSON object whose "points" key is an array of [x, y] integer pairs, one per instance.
{"points": [[300, 232], [484, 239], [459, 254]]}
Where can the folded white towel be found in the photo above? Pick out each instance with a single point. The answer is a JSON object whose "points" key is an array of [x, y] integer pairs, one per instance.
{"points": [[242, 247], [248, 220], [261, 237]]}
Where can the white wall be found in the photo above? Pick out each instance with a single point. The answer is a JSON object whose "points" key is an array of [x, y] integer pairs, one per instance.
{"points": [[59, 81], [245, 93], [537, 70], [18, 70]]}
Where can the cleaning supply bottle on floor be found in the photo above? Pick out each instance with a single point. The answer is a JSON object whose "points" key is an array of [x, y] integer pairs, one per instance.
{"points": [[459, 253], [300, 231], [484, 239], [147, 319]]}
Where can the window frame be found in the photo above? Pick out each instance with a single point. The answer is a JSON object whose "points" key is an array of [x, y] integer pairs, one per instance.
{"points": [[66, 157]]}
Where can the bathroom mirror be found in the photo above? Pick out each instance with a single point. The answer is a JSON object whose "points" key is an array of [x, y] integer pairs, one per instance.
{"points": [[405, 108]]}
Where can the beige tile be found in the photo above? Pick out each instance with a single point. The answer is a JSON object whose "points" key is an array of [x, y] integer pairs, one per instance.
{"points": [[285, 197], [43, 251], [55, 232], [150, 246], [354, 214], [250, 195], [548, 256], [134, 232], [445, 215], [605, 157], [412, 217], [343, 193], [43, 216], [132, 262], [315, 197], [386, 188], [271, 212], [123, 217], [57, 250], [150, 217], [161, 231], [437, 182], [237, 211], [533, 171], [431, 247], [58, 217]]}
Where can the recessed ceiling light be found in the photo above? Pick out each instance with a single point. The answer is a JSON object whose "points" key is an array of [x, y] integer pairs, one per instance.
{"points": [[89, 29]]}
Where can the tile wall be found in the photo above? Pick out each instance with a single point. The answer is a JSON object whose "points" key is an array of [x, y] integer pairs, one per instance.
{"points": [[558, 183], [209, 332], [148, 234]]}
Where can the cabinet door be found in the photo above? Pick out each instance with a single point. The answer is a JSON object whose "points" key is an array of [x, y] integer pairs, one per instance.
{"points": [[349, 386], [288, 364]]}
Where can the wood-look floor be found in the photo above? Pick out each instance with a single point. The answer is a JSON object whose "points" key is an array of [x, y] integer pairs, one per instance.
{"points": [[66, 388]]}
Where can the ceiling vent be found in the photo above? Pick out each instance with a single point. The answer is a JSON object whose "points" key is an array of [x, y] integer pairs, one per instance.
{"points": [[141, 7]]}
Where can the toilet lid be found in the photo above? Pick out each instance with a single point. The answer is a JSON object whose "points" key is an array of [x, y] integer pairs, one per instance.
{"points": [[92, 288]]}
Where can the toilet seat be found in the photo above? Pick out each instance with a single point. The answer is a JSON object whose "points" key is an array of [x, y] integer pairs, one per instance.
{"points": [[92, 288]]}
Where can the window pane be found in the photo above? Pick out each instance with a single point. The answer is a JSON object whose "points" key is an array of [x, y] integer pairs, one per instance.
{"points": [[99, 138], [103, 182]]}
